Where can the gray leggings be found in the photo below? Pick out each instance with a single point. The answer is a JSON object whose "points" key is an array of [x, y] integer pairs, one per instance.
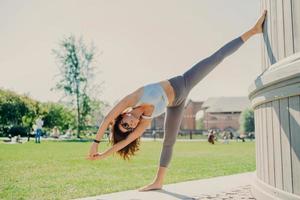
{"points": [[182, 85]]}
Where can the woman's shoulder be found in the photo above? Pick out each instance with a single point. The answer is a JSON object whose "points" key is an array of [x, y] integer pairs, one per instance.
{"points": [[135, 96]]}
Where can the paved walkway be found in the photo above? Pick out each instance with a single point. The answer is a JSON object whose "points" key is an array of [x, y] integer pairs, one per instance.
{"points": [[231, 187]]}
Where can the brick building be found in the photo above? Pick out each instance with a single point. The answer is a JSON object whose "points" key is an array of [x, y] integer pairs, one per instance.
{"points": [[189, 117], [223, 113], [220, 113]]}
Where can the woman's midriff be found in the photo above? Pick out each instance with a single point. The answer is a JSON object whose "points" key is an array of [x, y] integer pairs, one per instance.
{"points": [[168, 90]]}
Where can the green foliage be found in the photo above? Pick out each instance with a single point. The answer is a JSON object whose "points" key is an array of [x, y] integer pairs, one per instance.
{"points": [[12, 108], [247, 121], [200, 124], [98, 108], [18, 130], [58, 115], [15, 111], [18, 114], [75, 63]]}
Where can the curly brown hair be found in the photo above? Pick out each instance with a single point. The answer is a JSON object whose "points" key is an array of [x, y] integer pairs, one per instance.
{"points": [[117, 135]]}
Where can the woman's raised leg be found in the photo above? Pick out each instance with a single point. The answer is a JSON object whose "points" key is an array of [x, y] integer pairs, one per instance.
{"points": [[202, 68]]}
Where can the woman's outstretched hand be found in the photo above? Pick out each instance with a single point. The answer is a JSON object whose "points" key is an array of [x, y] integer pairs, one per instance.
{"points": [[258, 27], [93, 151], [96, 156]]}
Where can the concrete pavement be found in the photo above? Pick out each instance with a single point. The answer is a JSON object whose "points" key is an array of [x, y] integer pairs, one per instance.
{"points": [[225, 187]]}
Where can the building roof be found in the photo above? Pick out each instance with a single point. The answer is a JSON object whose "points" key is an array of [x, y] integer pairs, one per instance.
{"points": [[226, 104], [190, 101]]}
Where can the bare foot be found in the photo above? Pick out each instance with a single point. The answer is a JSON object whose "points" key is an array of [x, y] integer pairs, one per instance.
{"points": [[258, 27], [152, 186]]}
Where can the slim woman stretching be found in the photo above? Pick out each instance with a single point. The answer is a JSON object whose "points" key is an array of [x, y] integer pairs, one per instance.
{"points": [[151, 101]]}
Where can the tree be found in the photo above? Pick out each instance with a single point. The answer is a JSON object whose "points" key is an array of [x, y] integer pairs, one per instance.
{"points": [[75, 62], [99, 108], [247, 121], [58, 115], [200, 124], [16, 111], [12, 108]]}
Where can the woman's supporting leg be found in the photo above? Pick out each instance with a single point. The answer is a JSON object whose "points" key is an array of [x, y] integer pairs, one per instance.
{"points": [[202, 68], [157, 182], [172, 124]]}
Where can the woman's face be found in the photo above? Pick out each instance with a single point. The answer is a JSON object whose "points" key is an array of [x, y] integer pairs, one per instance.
{"points": [[128, 122]]}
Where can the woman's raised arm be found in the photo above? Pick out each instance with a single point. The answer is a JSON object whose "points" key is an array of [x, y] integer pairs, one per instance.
{"points": [[116, 147], [126, 102]]}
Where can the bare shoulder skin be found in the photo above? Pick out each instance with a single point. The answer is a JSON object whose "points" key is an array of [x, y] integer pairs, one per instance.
{"points": [[128, 101]]}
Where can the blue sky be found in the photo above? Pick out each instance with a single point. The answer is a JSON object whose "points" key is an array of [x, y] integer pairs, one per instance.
{"points": [[138, 42]]}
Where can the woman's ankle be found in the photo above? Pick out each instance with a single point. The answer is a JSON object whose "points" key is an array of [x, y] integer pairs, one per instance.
{"points": [[158, 181]]}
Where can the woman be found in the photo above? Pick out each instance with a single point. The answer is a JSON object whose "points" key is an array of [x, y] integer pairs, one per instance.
{"points": [[151, 100]]}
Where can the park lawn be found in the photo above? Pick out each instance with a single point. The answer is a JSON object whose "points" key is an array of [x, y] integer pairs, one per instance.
{"points": [[194, 136], [58, 170]]}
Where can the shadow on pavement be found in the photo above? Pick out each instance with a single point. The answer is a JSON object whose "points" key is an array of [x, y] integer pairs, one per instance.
{"points": [[176, 195]]}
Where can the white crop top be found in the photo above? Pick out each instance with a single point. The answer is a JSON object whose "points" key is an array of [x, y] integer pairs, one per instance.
{"points": [[154, 94]]}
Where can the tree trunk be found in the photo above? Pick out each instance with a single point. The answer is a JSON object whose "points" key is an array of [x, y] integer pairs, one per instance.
{"points": [[78, 111]]}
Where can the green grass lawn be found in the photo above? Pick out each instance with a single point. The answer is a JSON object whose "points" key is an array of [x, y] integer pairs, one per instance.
{"points": [[58, 170], [194, 136]]}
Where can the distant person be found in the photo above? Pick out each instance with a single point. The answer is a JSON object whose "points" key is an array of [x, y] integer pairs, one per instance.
{"points": [[67, 135], [225, 137], [10, 137], [230, 135], [38, 132], [55, 132], [154, 99], [251, 136], [28, 135], [211, 137], [19, 139], [241, 137], [154, 134], [215, 135]]}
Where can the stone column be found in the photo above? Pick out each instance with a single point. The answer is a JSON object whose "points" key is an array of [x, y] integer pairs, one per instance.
{"points": [[275, 98]]}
